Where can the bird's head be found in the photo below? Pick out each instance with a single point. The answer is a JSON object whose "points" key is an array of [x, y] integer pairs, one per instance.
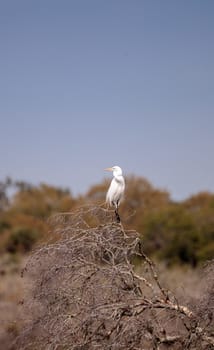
{"points": [[115, 169]]}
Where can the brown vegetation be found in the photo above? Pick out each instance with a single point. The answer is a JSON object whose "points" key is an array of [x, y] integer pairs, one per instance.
{"points": [[89, 277], [86, 293], [174, 232]]}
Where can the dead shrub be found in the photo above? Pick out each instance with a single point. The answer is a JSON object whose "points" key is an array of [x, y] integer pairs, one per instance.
{"points": [[86, 294]]}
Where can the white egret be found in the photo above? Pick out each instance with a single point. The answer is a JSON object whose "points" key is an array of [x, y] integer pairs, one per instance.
{"points": [[116, 189]]}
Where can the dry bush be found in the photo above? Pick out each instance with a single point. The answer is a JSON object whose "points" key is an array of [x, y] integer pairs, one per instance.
{"points": [[11, 292], [86, 293]]}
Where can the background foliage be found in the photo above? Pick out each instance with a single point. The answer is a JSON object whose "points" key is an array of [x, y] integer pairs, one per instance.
{"points": [[180, 232]]}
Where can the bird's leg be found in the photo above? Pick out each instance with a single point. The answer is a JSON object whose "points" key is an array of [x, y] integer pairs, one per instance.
{"points": [[117, 215], [116, 212], [118, 220]]}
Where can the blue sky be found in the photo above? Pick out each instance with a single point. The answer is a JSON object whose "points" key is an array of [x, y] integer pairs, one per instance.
{"points": [[87, 84]]}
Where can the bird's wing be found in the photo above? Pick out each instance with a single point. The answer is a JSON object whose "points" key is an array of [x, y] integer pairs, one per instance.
{"points": [[115, 191]]}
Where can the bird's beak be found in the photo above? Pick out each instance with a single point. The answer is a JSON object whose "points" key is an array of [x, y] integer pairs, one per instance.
{"points": [[108, 169]]}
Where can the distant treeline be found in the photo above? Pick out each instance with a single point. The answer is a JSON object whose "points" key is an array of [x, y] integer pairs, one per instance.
{"points": [[177, 232]]}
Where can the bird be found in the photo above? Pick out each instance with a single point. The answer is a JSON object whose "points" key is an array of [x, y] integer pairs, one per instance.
{"points": [[116, 189]]}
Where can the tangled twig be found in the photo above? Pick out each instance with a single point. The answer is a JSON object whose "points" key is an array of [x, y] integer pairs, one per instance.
{"points": [[86, 293]]}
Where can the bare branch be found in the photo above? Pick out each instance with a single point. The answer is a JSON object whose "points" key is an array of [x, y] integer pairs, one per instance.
{"points": [[86, 293]]}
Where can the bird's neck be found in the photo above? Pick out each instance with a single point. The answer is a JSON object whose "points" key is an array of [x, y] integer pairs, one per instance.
{"points": [[118, 177], [117, 174]]}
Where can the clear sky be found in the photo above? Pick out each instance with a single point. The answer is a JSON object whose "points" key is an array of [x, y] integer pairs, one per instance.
{"points": [[87, 84]]}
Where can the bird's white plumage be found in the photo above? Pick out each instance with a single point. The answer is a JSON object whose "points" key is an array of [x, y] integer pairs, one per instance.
{"points": [[117, 187]]}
